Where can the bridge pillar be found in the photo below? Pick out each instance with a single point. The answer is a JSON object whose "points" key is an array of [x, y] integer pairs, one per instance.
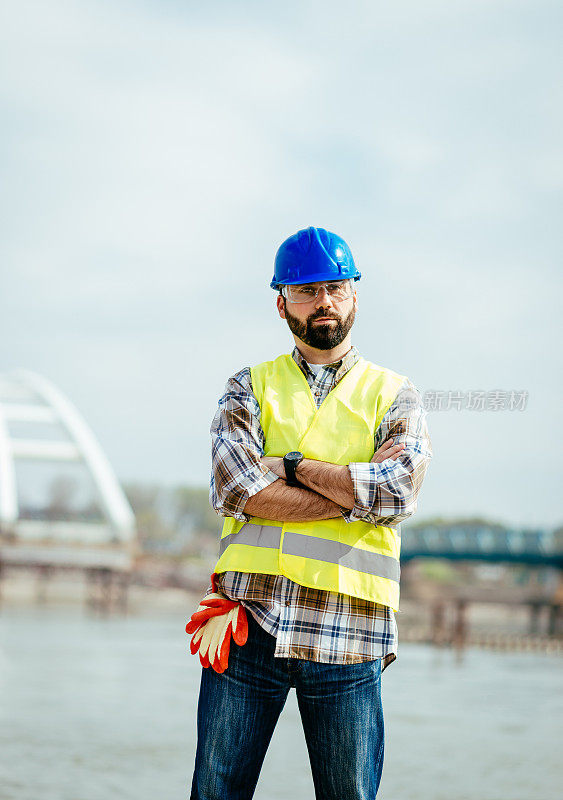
{"points": [[43, 577], [460, 624], [553, 622], [534, 616], [123, 581], [439, 635], [106, 589]]}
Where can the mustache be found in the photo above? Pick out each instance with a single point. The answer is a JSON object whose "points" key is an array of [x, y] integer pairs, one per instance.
{"points": [[320, 314]]}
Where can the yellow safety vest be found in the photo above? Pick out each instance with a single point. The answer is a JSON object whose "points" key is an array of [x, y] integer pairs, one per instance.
{"points": [[353, 558]]}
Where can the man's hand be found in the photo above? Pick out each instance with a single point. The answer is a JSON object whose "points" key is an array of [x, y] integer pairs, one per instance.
{"points": [[275, 464], [387, 450]]}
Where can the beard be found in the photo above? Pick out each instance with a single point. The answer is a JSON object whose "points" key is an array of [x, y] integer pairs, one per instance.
{"points": [[321, 335]]}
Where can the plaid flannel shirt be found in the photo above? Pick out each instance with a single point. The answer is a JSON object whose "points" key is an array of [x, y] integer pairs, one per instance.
{"points": [[315, 624]]}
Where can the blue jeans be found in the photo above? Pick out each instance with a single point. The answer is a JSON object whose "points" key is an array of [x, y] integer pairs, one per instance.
{"points": [[341, 713]]}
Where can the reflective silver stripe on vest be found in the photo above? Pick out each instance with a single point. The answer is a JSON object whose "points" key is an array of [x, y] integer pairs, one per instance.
{"points": [[257, 535], [299, 544]]}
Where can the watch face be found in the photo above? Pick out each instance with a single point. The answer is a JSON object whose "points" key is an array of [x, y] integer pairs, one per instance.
{"points": [[294, 456]]}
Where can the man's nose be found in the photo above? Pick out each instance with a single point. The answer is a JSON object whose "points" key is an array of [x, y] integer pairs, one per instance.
{"points": [[323, 298]]}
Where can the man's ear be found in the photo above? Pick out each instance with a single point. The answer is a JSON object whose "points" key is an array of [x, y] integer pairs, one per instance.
{"points": [[280, 302]]}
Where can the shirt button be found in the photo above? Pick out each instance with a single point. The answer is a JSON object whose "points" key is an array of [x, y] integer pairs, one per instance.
{"points": [[288, 602], [317, 394]]}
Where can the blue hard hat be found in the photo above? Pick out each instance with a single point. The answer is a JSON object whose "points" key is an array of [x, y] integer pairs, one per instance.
{"points": [[313, 254]]}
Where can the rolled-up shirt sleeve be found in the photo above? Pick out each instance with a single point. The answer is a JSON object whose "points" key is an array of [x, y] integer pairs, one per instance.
{"points": [[237, 445], [386, 493]]}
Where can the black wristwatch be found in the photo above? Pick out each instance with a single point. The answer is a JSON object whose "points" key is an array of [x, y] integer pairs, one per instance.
{"points": [[290, 462]]}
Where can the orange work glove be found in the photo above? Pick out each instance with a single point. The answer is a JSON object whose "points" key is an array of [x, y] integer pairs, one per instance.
{"points": [[212, 624]]}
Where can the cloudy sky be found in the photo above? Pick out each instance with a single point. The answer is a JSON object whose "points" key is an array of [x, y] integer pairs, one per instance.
{"points": [[155, 155]]}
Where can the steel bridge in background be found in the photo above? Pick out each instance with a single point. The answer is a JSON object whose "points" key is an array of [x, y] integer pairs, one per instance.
{"points": [[479, 542], [487, 544]]}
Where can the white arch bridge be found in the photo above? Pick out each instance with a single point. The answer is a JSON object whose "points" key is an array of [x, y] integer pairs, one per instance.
{"points": [[61, 505]]}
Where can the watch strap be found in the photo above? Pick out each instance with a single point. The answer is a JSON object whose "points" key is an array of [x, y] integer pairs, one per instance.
{"points": [[290, 466]]}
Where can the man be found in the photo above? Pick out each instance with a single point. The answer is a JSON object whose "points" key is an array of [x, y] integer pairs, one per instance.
{"points": [[318, 456]]}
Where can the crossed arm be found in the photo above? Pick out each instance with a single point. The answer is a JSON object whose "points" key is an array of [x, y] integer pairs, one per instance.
{"points": [[290, 503], [328, 488]]}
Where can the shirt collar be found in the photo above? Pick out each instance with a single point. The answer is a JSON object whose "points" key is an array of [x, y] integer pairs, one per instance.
{"points": [[340, 367]]}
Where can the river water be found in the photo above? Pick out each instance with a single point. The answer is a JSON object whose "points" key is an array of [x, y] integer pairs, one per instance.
{"points": [[97, 709]]}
